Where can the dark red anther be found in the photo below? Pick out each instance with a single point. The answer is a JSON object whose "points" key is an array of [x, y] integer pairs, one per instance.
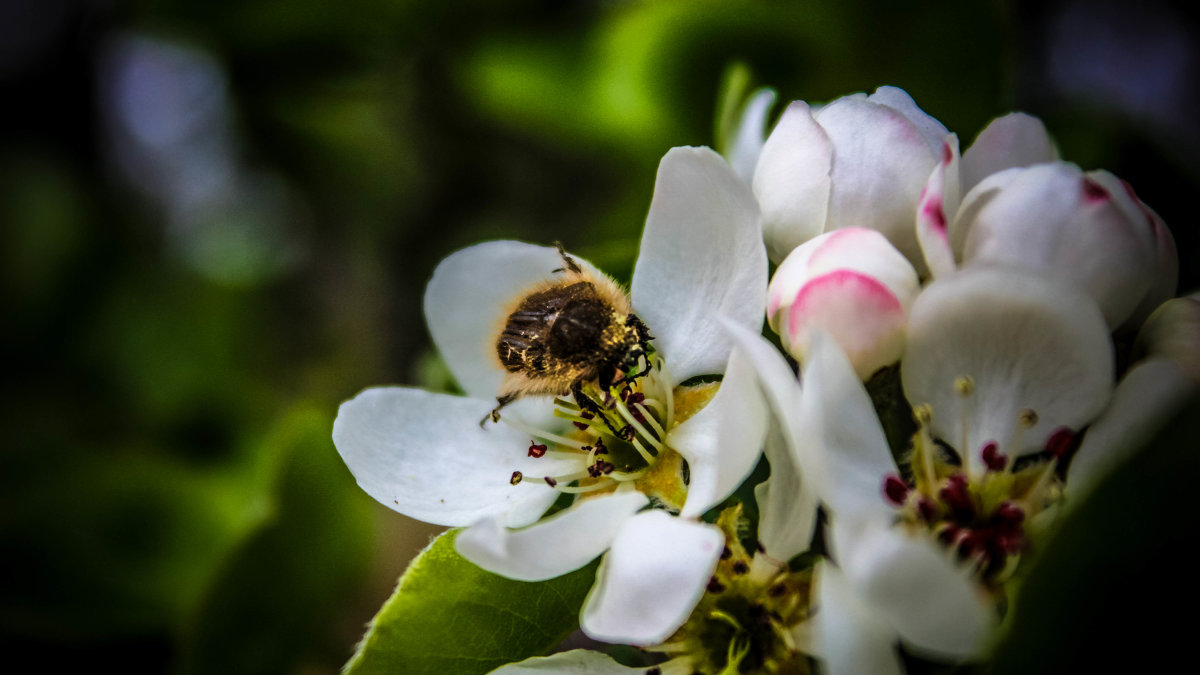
{"points": [[550, 481], [948, 534], [585, 414], [1060, 442], [969, 543], [927, 509], [516, 478], [536, 450], [594, 470], [604, 467], [715, 586], [957, 496], [895, 489], [636, 398], [993, 458], [1093, 191], [1009, 515], [600, 448]]}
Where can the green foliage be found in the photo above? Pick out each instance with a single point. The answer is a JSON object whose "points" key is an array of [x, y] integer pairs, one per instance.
{"points": [[270, 608], [449, 616]]}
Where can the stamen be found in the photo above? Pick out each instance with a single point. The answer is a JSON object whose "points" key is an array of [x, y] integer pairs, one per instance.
{"points": [[535, 450], [516, 478], [544, 435], [1060, 442], [646, 416], [629, 417], [1026, 419], [895, 489], [993, 458], [924, 415], [964, 386]]}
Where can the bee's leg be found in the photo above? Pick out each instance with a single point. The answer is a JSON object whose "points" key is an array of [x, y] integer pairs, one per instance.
{"points": [[501, 401], [568, 262], [585, 402]]}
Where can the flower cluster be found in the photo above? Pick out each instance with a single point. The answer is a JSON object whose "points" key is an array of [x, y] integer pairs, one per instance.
{"points": [[980, 336]]}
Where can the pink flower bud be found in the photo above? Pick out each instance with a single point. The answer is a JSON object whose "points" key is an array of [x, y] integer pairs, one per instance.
{"points": [[852, 284]]}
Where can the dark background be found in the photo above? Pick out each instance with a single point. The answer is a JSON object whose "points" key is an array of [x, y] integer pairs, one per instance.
{"points": [[217, 219]]}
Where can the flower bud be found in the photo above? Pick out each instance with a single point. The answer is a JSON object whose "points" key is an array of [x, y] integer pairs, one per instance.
{"points": [[1087, 229], [852, 284], [859, 161], [1173, 332]]}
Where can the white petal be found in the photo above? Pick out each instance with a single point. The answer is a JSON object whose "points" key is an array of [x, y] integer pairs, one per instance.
{"points": [[722, 442], [574, 662], [1054, 220], [426, 456], [933, 605], [1014, 140], [936, 208], [750, 134], [931, 130], [1173, 332], [881, 161], [651, 579], [1148, 396], [1027, 343], [466, 301], [842, 447], [787, 509], [853, 638], [552, 547], [972, 203], [701, 258], [792, 181], [1163, 271]]}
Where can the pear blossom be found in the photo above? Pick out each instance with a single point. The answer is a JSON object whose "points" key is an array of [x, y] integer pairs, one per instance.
{"points": [[1004, 371], [755, 612], [851, 283], [859, 161], [1084, 228], [427, 456]]}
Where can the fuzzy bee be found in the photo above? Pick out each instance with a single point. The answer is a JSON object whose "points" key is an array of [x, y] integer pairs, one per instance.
{"points": [[566, 332]]}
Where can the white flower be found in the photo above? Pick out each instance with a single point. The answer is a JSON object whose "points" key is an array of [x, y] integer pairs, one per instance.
{"points": [[1000, 367], [859, 161], [1087, 229], [752, 603], [850, 283], [425, 454]]}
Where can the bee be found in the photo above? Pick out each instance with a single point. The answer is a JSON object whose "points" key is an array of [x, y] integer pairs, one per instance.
{"points": [[574, 329]]}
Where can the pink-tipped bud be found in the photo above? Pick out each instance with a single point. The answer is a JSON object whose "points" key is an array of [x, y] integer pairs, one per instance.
{"points": [[851, 284]]}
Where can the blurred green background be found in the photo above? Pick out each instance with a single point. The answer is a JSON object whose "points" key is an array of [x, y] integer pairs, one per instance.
{"points": [[218, 219]]}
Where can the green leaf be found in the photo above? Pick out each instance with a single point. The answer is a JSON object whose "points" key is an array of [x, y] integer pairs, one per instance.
{"points": [[449, 616]]}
